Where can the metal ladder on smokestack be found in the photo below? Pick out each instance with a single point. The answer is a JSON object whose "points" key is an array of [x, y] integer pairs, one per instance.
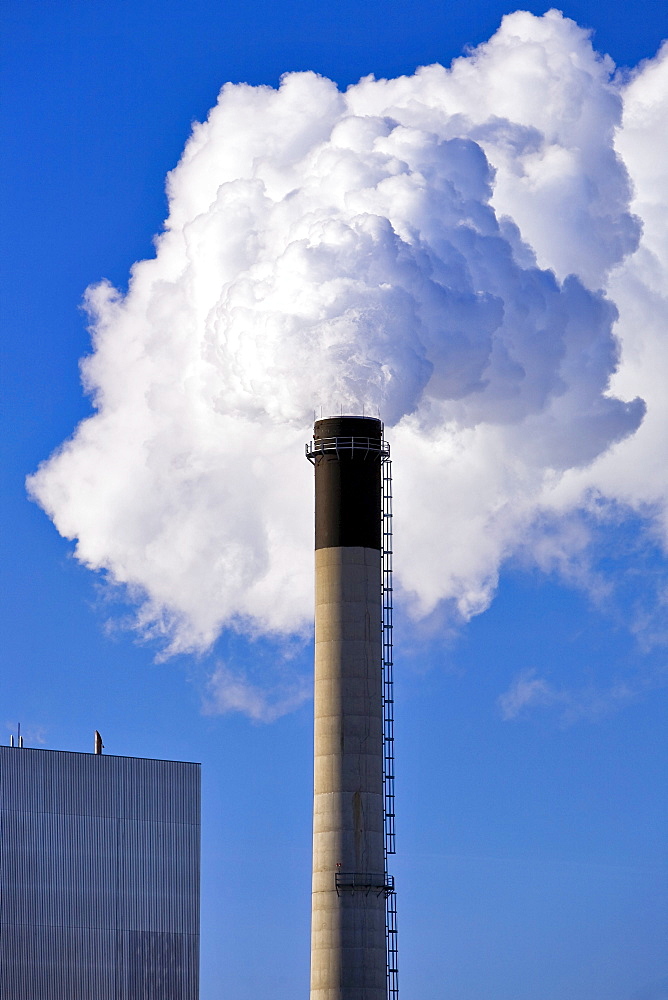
{"points": [[388, 725]]}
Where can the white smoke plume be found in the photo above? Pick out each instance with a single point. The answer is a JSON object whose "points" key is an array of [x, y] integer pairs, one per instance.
{"points": [[478, 253]]}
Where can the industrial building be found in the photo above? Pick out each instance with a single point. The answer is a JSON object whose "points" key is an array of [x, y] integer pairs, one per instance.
{"points": [[99, 877]]}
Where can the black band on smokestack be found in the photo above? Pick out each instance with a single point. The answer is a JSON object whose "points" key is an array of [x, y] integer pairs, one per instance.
{"points": [[346, 453]]}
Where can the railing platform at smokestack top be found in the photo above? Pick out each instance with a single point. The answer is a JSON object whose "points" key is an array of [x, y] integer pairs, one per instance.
{"points": [[361, 446]]}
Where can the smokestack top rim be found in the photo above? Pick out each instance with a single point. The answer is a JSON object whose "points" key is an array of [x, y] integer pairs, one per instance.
{"points": [[350, 426]]}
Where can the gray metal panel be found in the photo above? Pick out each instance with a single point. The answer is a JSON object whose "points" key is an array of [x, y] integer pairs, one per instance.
{"points": [[99, 877], [99, 785], [158, 966], [42, 963], [58, 871], [163, 859]]}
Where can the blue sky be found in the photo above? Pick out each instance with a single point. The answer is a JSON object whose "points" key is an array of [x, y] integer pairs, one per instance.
{"points": [[531, 841]]}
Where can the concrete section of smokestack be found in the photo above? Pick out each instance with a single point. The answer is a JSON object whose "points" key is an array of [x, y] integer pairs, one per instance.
{"points": [[348, 931]]}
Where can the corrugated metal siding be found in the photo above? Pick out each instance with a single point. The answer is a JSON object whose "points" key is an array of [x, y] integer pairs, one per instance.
{"points": [[72, 963], [158, 966], [99, 877]]}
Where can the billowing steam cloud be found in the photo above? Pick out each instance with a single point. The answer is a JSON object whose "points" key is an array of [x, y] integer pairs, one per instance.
{"points": [[477, 253]]}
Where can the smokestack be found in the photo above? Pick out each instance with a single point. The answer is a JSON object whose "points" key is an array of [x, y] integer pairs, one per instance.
{"points": [[349, 932]]}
